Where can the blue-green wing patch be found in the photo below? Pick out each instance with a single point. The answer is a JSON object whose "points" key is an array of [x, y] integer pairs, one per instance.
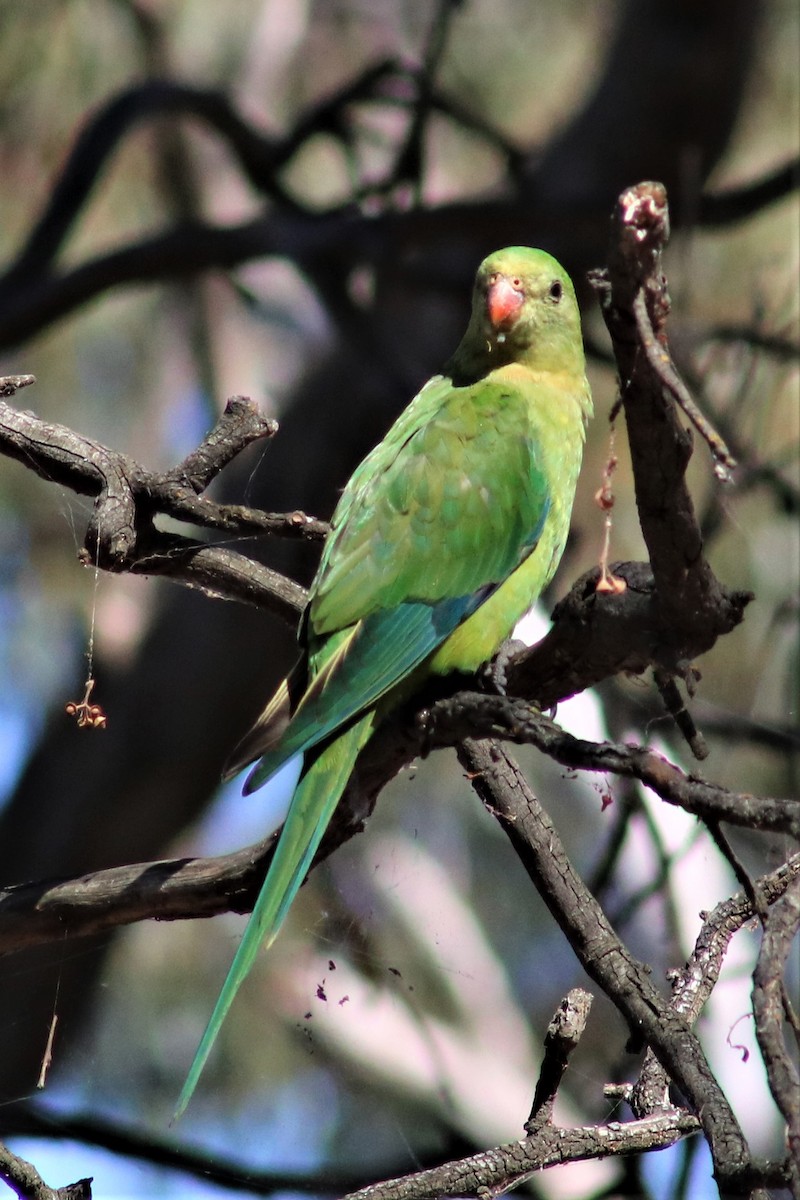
{"points": [[382, 649]]}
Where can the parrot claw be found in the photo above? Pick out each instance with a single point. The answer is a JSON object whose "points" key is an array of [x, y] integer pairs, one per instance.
{"points": [[494, 672]]}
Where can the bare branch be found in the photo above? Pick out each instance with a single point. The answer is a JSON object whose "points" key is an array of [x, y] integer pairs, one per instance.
{"points": [[661, 363], [23, 1178], [122, 535], [471, 713], [501, 1169], [694, 983], [563, 1034], [504, 790], [179, 889], [772, 1007], [596, 635], [172, 890]]}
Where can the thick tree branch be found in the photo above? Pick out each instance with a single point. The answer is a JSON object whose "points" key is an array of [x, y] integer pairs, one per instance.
{"points": [[505, 1167], [502, 787], [23, 1178], [774, 1012], [663, 619], [177, 889], [635, 304], [596, 635], [630, 100]]}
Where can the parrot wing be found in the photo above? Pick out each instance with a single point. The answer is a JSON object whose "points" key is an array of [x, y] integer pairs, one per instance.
{"points": [[368, 662], [433, 521], [450, 501]]}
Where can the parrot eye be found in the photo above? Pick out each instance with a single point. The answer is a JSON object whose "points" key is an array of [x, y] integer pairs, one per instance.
{"points": [[556, 291], [516, 283]]}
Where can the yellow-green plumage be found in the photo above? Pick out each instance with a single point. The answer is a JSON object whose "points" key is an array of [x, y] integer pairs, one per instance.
{"points": [[444, 537]]}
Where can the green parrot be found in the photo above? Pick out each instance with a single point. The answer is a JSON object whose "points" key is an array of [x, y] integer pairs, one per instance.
{"points": [[444, 537]]}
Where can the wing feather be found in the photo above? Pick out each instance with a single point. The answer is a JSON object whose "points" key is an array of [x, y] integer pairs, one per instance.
{"points": [[365, 664], [451, 501]]}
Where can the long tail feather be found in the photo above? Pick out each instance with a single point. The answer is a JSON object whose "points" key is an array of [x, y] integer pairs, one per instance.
{"points": [[312, 807]]}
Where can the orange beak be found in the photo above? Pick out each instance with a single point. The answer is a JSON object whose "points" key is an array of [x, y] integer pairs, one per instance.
{"points": [[503, 303]]}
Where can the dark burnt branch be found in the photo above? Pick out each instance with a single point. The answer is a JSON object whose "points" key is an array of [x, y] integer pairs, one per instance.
{"points": [[23, 1178], [178, 889], [472, 714], [596, 635], [122, 535], [496, 1171], [563, 1034], [502, 787], [694, 983], [774, 1013], [660, 446], [692, 605]]}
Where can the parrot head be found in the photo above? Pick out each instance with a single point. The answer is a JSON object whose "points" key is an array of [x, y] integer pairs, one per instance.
{"points": [[523, 310]]}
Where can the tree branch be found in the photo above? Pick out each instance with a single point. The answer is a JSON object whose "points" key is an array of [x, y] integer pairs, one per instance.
{"points": [[171, 890], [23, 1178], [471, 714], [178, 889], [505, 792], [563, 1034], [728, 207], [122, 536], [694, 983], [772, 1007]]}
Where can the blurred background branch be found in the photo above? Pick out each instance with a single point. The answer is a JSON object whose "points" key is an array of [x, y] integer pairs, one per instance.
{"points": [[290, 201]]}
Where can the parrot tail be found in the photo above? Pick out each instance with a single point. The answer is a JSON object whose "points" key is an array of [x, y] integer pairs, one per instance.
{"points": [[315, 798]]}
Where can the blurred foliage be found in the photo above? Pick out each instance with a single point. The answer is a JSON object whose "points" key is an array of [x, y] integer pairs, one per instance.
{"points": [[141, 371]]}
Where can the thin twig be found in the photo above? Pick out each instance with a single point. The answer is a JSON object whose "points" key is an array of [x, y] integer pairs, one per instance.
{"points": [[662, 364], [563, 1034]]}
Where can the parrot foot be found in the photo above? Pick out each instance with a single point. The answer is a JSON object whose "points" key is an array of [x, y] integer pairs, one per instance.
{"points": [[494, 673]]}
